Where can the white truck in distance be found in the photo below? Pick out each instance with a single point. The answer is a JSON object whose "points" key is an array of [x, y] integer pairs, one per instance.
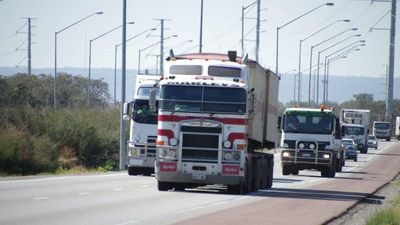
{"points": [[215, 111], [141, 146], [355, 125], [382, 130], [311, 139]]}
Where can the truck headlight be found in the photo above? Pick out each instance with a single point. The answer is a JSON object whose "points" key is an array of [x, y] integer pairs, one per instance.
{"points": [[134, 152], [172, 153], [228, 155], [227, 144], [285, 154], [173, 142], [326, 156], [301, 145], [312, 146]]}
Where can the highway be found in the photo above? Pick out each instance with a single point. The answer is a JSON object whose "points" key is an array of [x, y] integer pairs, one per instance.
{"points": [[116, 198]]}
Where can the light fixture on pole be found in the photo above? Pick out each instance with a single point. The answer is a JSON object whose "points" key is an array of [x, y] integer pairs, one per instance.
{"points": [[311, 56], [350, 47], [140, 51], [115, 60], [55, 53], [90, 59], [284, 25], [300, 48], [319, 58]]}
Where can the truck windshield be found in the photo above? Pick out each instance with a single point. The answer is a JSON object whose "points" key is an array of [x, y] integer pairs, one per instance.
{"points": [[203, 99], [353, 130], [145, 91], [309, 124], [220, 71], [142, 114], [382, 125]]}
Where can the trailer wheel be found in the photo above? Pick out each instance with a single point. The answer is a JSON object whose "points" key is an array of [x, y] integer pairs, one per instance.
{"points": [[164, 186], [270, 172]]}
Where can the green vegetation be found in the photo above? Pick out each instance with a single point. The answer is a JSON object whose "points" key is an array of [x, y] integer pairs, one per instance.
{"points": [[36, 138], [389, 216]]}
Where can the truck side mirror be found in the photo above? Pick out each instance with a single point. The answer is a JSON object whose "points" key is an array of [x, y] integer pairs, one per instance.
{"points": [[279, 123], [125, 111], [152, 100]]}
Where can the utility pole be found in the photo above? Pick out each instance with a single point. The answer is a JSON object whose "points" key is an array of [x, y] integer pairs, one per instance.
{"points": [[29, 49], [122, 144], [201, 29], [258, 29], [162, 44], [389, 101]]}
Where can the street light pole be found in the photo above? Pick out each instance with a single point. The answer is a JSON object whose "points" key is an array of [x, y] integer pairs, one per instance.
{"points": [[300, 49], [116, 58], [122, 144], [325, 64], [55, 53], [90, 59], [311, 57], [319, 58], [284, 25]]}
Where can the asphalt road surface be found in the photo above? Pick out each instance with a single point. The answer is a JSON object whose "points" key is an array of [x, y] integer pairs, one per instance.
{"points": [[119, 199]]}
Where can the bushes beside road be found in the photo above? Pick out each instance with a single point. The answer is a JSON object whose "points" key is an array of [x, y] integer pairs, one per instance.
{"points": [[36, 138]]}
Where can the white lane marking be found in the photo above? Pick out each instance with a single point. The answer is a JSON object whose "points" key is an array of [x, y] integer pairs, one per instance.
{"points": [[117, 189], [145, 186], [60, 178], [41, 198], [169, 214], [83, 193]]}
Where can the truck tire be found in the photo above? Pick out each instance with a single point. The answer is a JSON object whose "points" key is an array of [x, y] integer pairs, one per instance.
{"points": [[286, 170], [364, 150], [237, 189], [328, 171], [339, 165], [388, 139], [295, 171], [270, 172], [179, 186], [355, 159], [132, 171], [164, 186]]}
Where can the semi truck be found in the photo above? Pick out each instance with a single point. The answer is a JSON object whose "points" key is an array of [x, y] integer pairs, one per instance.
{"points": [[397, 131], [382, 130], [216, 115], [141, 145], [355, 125], [311, 139]]}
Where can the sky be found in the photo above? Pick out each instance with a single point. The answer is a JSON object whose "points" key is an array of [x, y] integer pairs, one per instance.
{"points": [[221, 32]]}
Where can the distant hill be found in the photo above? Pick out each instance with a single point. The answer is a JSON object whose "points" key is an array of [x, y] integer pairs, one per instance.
{"points": [[341, 88]]}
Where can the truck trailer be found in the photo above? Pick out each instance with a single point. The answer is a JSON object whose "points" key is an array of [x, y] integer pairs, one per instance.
{"points": [[216, 117], [355, 125]]}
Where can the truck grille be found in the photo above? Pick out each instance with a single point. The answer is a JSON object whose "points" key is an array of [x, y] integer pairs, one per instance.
{"points": [[200, 147], [151, 147]]}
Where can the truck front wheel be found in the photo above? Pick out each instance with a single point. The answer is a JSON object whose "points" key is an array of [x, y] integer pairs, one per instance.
{"points": [[286, 170], [164, 186], [328, 171]]}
